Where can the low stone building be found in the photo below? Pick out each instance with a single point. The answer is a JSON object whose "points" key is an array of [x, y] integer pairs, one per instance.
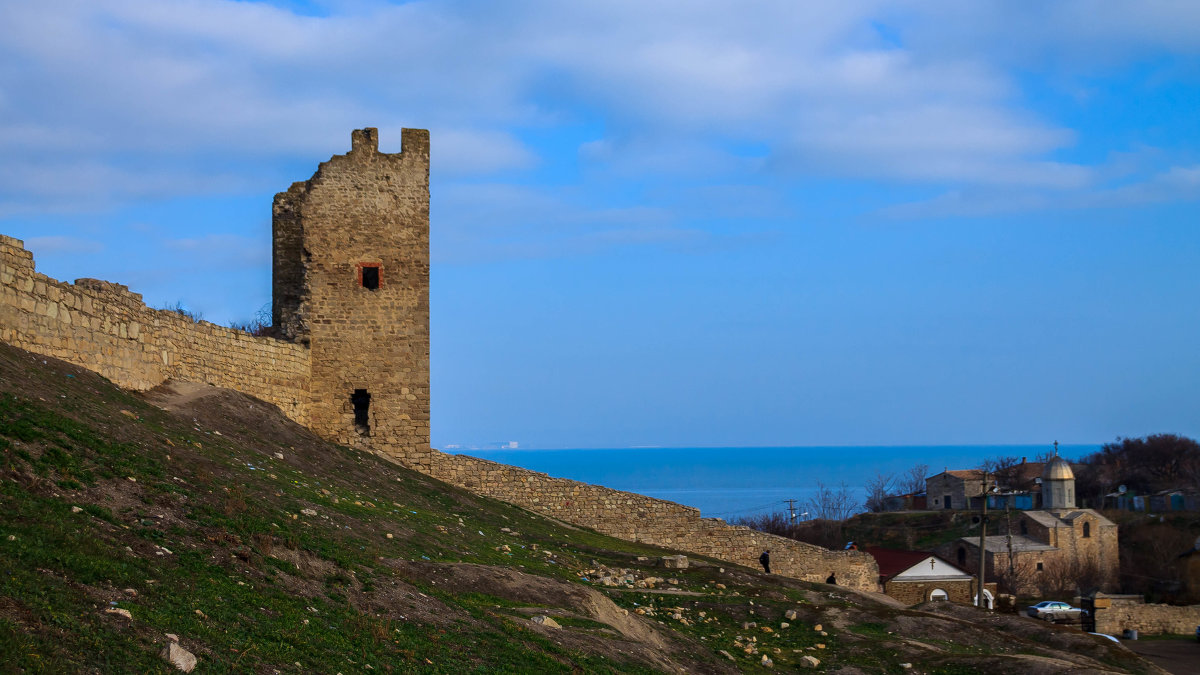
{"points": [[913, 577], [953, 489]]}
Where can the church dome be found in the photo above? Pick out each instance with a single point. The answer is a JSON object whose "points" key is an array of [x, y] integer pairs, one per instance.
{"points": [[1058, 469]]}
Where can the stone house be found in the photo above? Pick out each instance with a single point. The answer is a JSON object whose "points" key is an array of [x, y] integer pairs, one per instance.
{"points": [[1017, 486], [913, 577], [953, 489]]}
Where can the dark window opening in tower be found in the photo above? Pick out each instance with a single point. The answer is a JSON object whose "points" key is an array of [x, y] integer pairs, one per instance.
{"points": [[370, 277], [362, 404]]}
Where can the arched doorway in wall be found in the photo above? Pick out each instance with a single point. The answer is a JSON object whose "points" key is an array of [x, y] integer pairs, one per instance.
{"points": [[938, 595], [988, 600]]}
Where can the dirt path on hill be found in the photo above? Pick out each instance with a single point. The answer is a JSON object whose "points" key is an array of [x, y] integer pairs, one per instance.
{"points": [[174, 395]]}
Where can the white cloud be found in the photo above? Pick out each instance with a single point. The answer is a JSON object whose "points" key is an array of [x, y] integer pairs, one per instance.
{"points": [[491, 221], [223, 250], [466, 151], [1176, 184], [1087, 35], [71, 186], [105, 93]]}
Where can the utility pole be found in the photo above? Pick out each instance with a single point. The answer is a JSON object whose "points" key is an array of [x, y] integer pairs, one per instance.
{"points": [[1008, 531], [982, 541], [791, 510]]}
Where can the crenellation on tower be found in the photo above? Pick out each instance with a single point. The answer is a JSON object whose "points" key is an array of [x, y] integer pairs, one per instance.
{"points": [[364, 140]]}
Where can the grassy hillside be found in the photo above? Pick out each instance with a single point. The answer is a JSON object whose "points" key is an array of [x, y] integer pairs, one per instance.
{"points": [[206, 514]]}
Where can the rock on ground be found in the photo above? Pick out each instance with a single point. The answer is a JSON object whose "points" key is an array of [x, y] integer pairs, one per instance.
{"points": [[546, 621], [179, 657], [675, 562]]}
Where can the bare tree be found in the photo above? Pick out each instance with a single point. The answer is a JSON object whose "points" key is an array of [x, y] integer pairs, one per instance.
{"points": [[879, 489], [831, 503], [913, 482], [1149, 464], [1063, 576], [1001, 470], [771, 523]]}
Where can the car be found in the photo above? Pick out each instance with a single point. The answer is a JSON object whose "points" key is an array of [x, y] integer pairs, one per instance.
{"points": [[1053, 610]]}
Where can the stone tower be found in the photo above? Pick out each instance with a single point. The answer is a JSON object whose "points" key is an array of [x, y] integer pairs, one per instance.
{"points": [[1058, 485], [351, 280]]}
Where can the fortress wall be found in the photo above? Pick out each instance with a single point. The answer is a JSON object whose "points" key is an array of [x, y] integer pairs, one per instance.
{"points": [[104, 327], [1148, 619], [643, 519]]}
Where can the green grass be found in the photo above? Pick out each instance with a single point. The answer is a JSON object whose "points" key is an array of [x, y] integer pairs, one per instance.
{"points": [[213, 537]]}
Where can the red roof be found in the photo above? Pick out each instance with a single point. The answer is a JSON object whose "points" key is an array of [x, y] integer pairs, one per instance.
{"points": [[894, 561], [970, 474]]}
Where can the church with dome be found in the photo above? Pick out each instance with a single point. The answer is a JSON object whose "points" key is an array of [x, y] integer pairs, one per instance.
{"points": [[1057, 546]]}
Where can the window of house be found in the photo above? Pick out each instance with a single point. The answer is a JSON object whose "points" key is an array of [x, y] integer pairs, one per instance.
{"points": [[1087, 529], [962, 556], [1039, 566], [369, 276], [938, 595], [1024, 527]]}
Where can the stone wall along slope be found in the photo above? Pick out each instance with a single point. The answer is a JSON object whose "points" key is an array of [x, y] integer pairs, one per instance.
{"points": [[643, 519], [104, 327]]}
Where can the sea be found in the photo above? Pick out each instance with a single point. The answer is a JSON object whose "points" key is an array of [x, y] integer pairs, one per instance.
{"points": [[733, 483]]}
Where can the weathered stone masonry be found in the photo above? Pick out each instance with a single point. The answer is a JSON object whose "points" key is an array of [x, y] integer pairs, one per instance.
{"points": [[639, 518], [1116, 614], [362, 220], [103, 327], [351, 304]]}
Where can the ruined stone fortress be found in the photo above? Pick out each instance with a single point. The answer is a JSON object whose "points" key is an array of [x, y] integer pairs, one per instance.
{"points": [[350, 355]]}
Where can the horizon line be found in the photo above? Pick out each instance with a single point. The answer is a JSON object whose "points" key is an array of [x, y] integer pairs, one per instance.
{"points": [[1049, 446]]}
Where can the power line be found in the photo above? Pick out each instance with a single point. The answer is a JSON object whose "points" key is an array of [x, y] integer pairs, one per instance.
{"points": [[750, 508]]}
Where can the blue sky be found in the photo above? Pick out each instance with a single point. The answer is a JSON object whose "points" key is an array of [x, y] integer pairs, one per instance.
{"points": [[670, 223]]}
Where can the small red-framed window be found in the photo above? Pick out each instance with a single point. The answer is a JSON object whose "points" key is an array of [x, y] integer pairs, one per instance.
{"points": [[370, 276]]}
